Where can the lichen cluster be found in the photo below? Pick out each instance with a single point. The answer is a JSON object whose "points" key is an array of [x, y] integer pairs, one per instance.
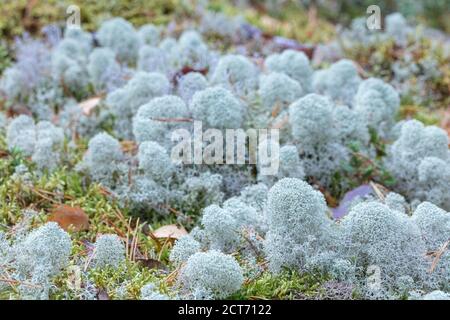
{"points": [[89, 121]]}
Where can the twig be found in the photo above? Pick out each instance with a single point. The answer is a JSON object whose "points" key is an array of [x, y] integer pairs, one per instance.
{"points": [[376, 189], [438, 256], [17, 282]]}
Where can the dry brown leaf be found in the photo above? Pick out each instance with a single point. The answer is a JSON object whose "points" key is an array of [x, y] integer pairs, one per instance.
{"points": [[70, 218], [170, 231], [152, 264], [88, 105]]}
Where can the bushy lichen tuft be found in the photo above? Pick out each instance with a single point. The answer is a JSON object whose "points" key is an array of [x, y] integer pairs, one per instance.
{"points": [[236, 73], [119, 35], [156, 119], [212, 271], [294, 64], [217, 108], [109, 251], [278, 90]]}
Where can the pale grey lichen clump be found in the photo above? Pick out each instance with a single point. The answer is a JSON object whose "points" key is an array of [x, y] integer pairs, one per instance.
{"points": [[40, 256], [189, 84], [419, 159], [157, 119], [339, 82], [214, 272], [119, 35], [377, 248], [278, 90], [298, 224], [184, 247], [152, 59], [350, 127], [49, 145], [103, 159], [21, 134], [217, 108], [155, 85], [126, 101], [436, 295], [103, 69], [43, 142], [109, 251], [154, 161], [191, 51], [236, 73], [396, 201], [47, 247], [149, 34], [68, 61], [321, 151], [290, 165], [433, 222], [84, 38], [294, 64], [12, 83], [150, 292], [397, 27], [378, 103], [385, 242], [221, 228]]}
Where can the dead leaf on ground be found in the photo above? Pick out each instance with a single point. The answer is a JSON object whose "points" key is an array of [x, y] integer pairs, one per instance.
{"points": [[104, 191], [4, 153], [152, 264], [88, 105], [170, 231], [70, 218]]}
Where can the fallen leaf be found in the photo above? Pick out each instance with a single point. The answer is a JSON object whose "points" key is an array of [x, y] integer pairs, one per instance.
{"points": [[70, 218], [104, 191], [152, 264], [88, 105], [4, 153], [170, 231]]}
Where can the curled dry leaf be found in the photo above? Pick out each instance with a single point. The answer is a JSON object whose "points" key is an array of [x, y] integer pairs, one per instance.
{"points": [[170, 231], [4, 153], [88, 105], [70, 218], [152, 264]]}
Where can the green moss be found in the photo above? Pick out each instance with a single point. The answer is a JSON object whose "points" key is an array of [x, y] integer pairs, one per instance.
{"points": [[286, 285]]}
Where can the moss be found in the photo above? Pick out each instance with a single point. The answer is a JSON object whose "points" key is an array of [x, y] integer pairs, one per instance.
{"points": [[286, 285]]}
